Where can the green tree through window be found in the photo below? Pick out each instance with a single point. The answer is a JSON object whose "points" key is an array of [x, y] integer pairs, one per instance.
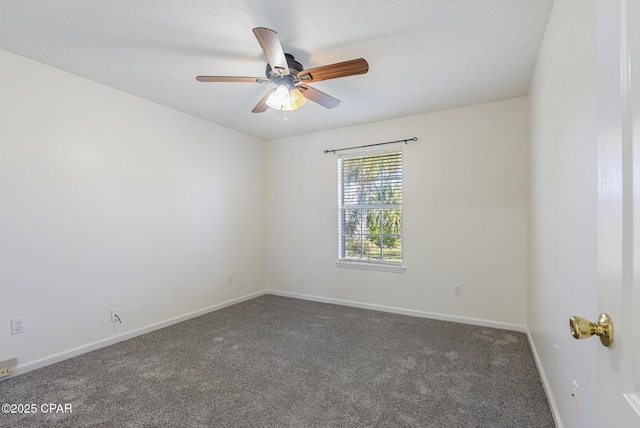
{"points": [[370, 208]]}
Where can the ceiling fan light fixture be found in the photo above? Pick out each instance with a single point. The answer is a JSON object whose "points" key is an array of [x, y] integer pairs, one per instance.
{"points": [[285, 99], [296, 98], [280, 98]]}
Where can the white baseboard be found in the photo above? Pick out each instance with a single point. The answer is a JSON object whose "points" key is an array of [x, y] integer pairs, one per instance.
{"points": [[401, 311], [56, 358], [545, 383]]}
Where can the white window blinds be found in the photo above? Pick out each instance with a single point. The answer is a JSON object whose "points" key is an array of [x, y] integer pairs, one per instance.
{"points": [[370, 208]]}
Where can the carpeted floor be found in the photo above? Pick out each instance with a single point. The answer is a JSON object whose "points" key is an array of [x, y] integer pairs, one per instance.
{"points": [[281, 362]]}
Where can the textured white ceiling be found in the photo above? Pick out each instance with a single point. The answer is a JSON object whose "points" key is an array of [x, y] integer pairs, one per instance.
{"points": [[424, 55]]}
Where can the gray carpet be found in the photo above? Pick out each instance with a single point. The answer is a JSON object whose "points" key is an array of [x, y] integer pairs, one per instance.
{"points": [[281, 362]]}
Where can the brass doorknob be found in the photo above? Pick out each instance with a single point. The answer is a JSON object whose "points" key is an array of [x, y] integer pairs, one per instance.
{"points": [[582, 328]]}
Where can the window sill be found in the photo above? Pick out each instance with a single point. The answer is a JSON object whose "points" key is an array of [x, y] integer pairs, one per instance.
{"points": [[380, 267]]}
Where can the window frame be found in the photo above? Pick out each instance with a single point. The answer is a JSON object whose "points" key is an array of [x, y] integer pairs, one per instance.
{"points": [[375, 265]]}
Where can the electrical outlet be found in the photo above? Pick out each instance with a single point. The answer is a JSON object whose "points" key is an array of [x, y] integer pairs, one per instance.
{"points": [[229, 279], [114, 315], [556, 356], [575, 394], [457, 289], [17, 325]]}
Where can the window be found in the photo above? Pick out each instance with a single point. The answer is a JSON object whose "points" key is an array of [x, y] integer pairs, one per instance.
{"points": [[370, 210]]}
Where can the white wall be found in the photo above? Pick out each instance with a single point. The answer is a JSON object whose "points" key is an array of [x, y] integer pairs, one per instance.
{"points": [[465, 218], [111, 201], [563, 205]]}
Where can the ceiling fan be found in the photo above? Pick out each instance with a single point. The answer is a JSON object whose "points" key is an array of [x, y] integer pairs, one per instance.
{"points": [[290, 76]]}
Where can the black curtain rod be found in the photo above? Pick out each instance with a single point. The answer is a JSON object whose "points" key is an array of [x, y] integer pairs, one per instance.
{"points": [[371, 145]]}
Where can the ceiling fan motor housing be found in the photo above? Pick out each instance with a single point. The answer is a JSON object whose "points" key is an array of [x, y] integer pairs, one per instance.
{"points": [[294, 68]]}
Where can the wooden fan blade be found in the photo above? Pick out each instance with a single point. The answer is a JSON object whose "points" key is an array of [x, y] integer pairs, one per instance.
{"points": [[332, 71], [232, 79], [262, 105], [319, 97], [272, 48]]}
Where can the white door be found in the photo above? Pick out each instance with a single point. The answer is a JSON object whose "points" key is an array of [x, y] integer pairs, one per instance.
{"points": [[619, 210]]}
